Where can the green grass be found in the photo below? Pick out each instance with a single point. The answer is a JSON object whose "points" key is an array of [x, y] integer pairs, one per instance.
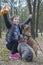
{"points": [[4, 54], [40, 36], [3, 35]]}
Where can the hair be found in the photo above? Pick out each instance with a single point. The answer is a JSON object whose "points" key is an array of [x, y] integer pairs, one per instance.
{"points": [[13, 16]]}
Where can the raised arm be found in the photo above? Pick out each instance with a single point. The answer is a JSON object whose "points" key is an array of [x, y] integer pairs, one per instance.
{"points": [[4, 12], [8, 24], [27, 21]]}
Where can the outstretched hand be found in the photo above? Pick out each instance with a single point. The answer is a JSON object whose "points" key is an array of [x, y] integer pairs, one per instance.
{"points": [[30, 16]]}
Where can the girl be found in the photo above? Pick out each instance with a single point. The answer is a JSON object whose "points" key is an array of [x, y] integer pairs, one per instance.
{"points": [[14, 30]]}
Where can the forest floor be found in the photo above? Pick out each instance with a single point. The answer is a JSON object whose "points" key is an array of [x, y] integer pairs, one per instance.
{"points": [[4, 59]]}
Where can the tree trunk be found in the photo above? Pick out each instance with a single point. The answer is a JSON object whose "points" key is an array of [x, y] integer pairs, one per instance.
{"points": [[37, 19], [33, 18], [29, 6]]}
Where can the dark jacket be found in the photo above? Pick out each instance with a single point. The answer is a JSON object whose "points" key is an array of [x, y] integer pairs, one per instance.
{"points": [[13, 30]]}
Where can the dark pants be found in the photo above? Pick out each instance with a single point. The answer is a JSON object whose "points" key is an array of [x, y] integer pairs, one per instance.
{"points": [[12, 46], [25, 51]]}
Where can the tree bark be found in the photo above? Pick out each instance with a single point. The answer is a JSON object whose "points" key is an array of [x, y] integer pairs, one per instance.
{"points": [[37, 19], [33, 18]]}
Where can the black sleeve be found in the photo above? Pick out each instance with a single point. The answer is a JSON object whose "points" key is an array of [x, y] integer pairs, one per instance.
{"points": [[8, 25], [9, 35], [26, 22]]}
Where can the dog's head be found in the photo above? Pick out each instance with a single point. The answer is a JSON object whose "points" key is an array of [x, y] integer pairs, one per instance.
{"points": [[26, 30]]}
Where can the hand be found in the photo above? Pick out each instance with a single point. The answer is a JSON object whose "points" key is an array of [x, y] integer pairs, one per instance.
{"points": [[4, 7], [30, 16]]}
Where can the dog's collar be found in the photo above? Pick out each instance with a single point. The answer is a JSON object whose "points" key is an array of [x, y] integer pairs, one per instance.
{"points": [[21, 41]]}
